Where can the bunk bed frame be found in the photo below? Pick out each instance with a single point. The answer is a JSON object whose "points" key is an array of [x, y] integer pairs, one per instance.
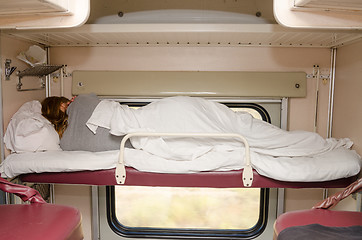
{"points": [[229, 179], [292, 83]]}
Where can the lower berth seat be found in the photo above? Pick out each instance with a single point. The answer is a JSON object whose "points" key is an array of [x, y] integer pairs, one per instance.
{"points": [[320, 222], [38, 220]]}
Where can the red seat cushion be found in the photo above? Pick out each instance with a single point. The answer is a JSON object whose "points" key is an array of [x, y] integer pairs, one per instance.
{"points": [[320, 216], [38, 221]]}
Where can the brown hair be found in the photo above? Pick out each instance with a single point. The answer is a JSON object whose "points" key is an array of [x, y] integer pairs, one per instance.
{"points": [[51, 110]]}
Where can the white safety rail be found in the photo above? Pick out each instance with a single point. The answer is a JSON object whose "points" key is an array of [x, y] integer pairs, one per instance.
{"points": [[247, 176]]}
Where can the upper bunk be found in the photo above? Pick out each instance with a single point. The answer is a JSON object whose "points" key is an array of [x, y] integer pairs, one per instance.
{"points": [[81, 166], [192, 23]]}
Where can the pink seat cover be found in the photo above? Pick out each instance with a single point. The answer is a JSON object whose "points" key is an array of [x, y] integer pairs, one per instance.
{"points": [[37, 220]]}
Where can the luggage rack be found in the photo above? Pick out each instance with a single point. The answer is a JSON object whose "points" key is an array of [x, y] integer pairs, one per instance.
{"points": [[40, 71]]}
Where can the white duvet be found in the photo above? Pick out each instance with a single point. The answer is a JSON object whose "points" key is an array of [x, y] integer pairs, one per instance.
{"points": [[275, 153], [187, 114]]}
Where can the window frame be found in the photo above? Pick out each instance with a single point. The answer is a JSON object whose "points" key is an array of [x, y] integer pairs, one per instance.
{"points": [[260, 109], [179, 233]]}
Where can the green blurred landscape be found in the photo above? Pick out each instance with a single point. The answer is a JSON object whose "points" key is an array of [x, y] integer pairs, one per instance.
{"points": [[196, 208]]}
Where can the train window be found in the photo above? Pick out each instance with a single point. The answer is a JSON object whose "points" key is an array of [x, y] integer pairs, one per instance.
{"points": [[187, 212], [170, 212]]}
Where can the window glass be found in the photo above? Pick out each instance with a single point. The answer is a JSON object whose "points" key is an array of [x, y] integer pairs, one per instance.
{"points": [[197, 208]]}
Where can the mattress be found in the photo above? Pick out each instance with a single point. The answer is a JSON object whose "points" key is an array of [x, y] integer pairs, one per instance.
{"points": [[98, 168]]}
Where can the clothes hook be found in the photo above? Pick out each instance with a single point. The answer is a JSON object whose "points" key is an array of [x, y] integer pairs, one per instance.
{"points": [[8, 69]]}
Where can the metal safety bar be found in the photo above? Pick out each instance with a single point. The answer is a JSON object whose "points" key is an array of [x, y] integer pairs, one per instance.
{"points": [[247, 172]]}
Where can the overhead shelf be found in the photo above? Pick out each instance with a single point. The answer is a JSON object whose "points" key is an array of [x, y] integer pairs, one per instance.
{"points": [[271, 35], [39, 70], [203, 23]]}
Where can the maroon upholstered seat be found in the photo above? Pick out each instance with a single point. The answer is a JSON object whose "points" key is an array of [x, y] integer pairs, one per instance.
{"points": [[37, 220], [317, 216], [321, 215]]}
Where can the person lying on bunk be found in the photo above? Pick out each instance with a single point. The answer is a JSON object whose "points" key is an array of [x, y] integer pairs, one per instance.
{"points": [[69, 119], [185, 115], [96, 125]]}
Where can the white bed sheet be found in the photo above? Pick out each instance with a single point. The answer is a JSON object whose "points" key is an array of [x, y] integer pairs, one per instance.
{"points": [[56, 161], [336, 164]]}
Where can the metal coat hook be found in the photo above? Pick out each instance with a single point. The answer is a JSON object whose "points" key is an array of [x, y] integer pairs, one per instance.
{"points": [[8, 69]]}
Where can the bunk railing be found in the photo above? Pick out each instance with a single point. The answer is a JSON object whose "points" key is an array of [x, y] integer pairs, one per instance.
{"points": [[247, 176]]}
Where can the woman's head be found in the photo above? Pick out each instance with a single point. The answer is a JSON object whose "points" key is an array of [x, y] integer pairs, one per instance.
{"points": [[54, 109]]}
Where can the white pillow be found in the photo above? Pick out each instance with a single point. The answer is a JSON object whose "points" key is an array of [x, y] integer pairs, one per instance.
{"points": [[29, 131]]}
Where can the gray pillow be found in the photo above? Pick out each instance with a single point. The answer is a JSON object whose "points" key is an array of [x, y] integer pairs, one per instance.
{"points": [[77, 136]]}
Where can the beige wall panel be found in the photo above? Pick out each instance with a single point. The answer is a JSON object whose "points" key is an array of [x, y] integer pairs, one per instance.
{"points": [[347, 114], [78, 196], [12, 99], [348, 98], [191, 83], [298, 199]]}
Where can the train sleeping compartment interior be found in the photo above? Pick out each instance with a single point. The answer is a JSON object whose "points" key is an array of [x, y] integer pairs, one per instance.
{"points": [[173, 141], [194, 119]]}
